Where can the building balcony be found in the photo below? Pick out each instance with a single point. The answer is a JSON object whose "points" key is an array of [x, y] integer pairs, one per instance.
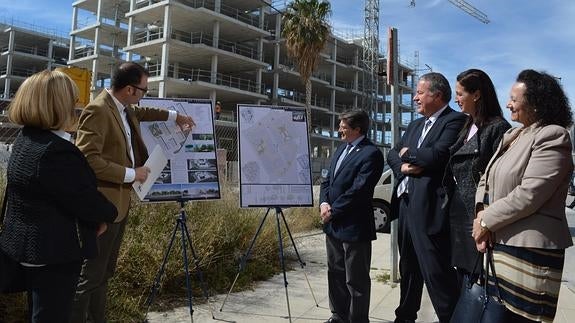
{"points": [[243, 24], [197, 38], [194, 75]]}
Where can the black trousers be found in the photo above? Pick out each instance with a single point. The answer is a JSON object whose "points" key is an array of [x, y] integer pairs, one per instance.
{"points": [[349, 284], [424, 258], [51, 290], [92, 286]]}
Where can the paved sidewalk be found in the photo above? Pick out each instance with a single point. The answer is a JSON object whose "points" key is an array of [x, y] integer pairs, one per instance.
{"points": [[267, 302]]}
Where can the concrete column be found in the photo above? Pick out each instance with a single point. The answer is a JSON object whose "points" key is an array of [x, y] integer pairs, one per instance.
{"points": [[218, 6], [163, 71], [334, 49], [50, 53], [259, 72], [262, 18], [333, 74], [9, 62], [214, 69], [167, 23], [332, 100], [72, 48], [260, 49], [93, 93], [276, 60], [216, 34], [162, 90]]}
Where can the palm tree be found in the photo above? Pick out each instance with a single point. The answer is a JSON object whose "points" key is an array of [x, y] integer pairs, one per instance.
{"points": [[306, 30]]}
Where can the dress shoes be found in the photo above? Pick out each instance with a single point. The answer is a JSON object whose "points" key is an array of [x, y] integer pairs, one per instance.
{"points": [[334, 320]]}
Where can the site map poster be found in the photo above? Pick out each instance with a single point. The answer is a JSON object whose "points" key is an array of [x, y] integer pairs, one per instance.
{"points": [[274, 157], [191, 172]]}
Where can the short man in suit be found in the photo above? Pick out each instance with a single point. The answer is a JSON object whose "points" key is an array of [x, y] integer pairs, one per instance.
{"points": [[110, 138], [418, 162], [347, 215]]}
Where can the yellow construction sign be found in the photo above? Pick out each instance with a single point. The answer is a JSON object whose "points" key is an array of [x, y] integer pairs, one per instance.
{"points": [[83, 78]]}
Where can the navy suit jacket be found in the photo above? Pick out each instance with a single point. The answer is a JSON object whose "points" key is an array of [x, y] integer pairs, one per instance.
{"points": [[427, 195], [349, 191]]}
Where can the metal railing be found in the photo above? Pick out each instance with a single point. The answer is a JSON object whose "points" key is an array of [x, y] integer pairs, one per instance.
{"points": [[290, 65], [196, 38], [194, 74], [240, 15], [300, 97], [31, 50], [148, 35], [83, 52]]}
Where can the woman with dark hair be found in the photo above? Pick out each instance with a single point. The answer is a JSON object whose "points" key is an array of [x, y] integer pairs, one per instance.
{"points": [[525, 185], [478, 140]]}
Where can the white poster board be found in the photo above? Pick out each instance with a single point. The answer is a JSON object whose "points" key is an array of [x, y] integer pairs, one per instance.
{"points": [[274, 157], [191, 172]]}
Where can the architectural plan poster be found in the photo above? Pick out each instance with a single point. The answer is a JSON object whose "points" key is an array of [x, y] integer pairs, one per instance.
{"points": [[274, 157], [191, 172]]}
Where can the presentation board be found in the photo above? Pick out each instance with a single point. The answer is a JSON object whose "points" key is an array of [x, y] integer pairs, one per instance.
{"points": [[274, 157], [191, 172]]}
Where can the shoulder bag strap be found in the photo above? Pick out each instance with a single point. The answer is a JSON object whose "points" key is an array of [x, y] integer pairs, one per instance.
{"points": [[490, 265]]}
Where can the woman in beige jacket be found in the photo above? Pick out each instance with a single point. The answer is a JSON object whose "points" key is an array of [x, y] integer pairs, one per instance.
{"points": [[525, 185]]}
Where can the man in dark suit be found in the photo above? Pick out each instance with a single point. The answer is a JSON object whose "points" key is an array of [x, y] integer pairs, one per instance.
{"points": [[418, 162], [347, 215], [109, 136]]}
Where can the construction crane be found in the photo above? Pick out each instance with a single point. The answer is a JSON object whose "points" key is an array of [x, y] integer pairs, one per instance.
{"points": [[370, 60], [467, 7]]}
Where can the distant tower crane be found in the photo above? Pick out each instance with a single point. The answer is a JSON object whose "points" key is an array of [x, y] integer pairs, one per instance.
{"points": [[467, 7], [370, 57]]}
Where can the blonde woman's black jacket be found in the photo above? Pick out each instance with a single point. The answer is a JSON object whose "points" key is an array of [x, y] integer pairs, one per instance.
{"points": [[54, 207]]}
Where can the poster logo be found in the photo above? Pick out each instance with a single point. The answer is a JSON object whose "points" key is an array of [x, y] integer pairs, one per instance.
{"points": [[298, 116]]}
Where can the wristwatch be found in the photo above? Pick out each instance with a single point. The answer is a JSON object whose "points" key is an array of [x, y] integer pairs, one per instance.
{"points": [[483, 225]]}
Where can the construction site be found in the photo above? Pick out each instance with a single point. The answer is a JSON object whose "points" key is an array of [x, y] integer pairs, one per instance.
{"points": [[230, 51]]}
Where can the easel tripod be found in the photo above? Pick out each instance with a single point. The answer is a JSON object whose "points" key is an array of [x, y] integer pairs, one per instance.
{"points": [[185, 235], [246, 256]]}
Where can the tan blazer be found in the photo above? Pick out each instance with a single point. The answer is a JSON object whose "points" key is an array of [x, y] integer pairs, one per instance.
{"points": [[102, 138], [527, 187]]}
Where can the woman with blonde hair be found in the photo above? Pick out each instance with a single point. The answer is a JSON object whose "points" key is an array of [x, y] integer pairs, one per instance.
{"points": [[54, 211]]}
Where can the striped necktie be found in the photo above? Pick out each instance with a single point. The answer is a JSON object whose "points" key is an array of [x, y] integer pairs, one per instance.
{"points": [[342, 156], [426, 127]]}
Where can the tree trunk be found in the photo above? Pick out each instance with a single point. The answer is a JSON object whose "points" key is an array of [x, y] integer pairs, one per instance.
{"points": [[308, 105]]}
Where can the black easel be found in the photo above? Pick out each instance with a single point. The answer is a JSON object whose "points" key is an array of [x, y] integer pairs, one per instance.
{"points": [[182, 226], [244, 259]]}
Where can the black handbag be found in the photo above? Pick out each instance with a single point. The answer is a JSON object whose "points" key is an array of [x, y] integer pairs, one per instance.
{"points": [[12, 273], [476, 304]]}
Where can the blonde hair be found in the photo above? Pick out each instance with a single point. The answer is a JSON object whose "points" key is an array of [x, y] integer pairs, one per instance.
{"points": [[45, 100]]}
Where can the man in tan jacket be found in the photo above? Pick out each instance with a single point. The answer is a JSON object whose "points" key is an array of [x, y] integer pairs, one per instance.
{"points": [[109, 136]]}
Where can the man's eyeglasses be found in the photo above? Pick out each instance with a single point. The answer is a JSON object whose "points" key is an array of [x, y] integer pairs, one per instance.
{"points": [[145, 90]]}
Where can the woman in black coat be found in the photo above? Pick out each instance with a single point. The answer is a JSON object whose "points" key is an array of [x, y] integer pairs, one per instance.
{"points": [[477, 142], [54, 211]]}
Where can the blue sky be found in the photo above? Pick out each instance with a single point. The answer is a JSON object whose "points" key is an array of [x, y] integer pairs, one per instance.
{"points": [[538, 34]]}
